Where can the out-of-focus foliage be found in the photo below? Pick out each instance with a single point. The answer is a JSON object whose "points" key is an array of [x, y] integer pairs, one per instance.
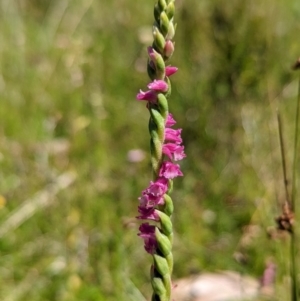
{"points": [[69, 73]]}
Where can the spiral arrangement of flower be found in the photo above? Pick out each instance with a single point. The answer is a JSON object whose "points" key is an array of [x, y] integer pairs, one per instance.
{"points": [[166, 147]]}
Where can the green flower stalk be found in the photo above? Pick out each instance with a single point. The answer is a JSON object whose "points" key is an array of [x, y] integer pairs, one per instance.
{"points": [[166, 147]]}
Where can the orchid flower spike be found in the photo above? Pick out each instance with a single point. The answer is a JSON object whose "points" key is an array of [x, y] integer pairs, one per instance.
{"points": [[155, 203]]}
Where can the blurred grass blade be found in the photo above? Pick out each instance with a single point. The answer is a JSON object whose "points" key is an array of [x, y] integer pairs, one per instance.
{"points": [[295, 161], [283, 161], [293, 238], [41, 199]]}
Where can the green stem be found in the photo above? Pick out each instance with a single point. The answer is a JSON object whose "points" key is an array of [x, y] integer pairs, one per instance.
{"points": [[293, 235], [295, 149], [294, 287], [285, 181]]}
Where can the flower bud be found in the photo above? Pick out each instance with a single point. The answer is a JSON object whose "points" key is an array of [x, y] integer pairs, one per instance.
{"points": [[162, 4], [161, 265], [164, 23], [156, 13], [151, 70], [171, 31], [163, 105], [166, 223], [159, 40], [169, 49], [158, 64], [168, 206], [170, 10], [159, 287], [163, 242]]}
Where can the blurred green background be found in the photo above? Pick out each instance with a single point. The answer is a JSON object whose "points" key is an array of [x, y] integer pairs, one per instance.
{"points": [[69, 74]]}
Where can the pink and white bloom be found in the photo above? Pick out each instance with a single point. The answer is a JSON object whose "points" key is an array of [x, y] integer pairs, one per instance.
{"points": [[158, 85], [174, 151], [148, 96], [157, 188], [170, 170], [173, 135], [154, 194]]}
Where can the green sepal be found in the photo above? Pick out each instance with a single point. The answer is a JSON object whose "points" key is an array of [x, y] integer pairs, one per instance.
{"points": [[168, 93], [159, 40], [156, 158], [162, 271], [162, 4], [161, 298], [156, 13], [170, 32], [160, 66], [163, 105], [161, 284], [170, 10], [157, 133], [161, 265], [166, 223], [169, 259], [157, 124], [168, 206], [168, 284], [159, 287], [167, 278], [151, 71], [170, 185], [160, 71], [163, 243], [164, 23]]}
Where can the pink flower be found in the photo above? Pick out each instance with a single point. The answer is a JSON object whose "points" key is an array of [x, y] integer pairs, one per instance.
{"points": [[148, 95], [170, 121], [171, 70], [153, 195], [170, 170], [173, 135], [174, 151], [179, 154], [147, 233], [148, 200], [158, 85], [148, 214], [158, 188]]}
